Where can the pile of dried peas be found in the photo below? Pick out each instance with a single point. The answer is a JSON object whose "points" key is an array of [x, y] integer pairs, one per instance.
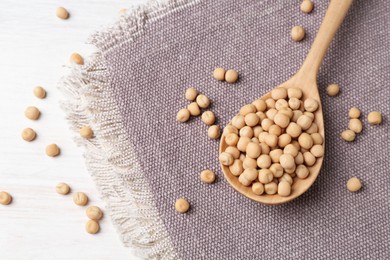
{"points": [[272, 141]]}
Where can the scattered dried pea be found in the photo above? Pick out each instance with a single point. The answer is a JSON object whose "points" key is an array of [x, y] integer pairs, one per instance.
{"points": [[374, 118], [86, 132], [202, 101], [214, 132], [182, 205], [5, 198], [354, 112], [62, 188], [207, 176], [191, 94], [80, 199], [307, 6], [52, 150], [92, 226], [297, 33], [32, 113], [122, 11], [219, 74], [332, 90], [194, 109], [76, 58], [183, 115], [39, 92], [348, 135], [208, 117], [354, 184], [231, 76], [28, 134], [62, 13], [94, 213], [355, 125]]}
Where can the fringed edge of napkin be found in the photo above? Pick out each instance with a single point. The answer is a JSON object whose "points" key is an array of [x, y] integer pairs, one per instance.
{"points": [[131, 25], [111, 162]]}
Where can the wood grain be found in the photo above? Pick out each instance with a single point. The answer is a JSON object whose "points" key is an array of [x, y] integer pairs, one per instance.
{"points": [[35, 45]]}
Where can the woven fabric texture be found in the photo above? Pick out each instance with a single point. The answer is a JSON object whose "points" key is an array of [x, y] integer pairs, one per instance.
{"points": [[149, 75]]}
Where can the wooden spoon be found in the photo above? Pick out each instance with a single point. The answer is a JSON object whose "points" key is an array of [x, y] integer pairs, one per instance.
{"points": [[306, 80]]}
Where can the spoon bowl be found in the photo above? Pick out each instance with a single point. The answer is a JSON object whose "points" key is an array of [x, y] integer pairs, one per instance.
{"points": [[306, 80]]}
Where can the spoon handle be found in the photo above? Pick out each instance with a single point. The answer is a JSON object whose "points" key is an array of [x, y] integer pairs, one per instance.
{"points": [[334, 17]]}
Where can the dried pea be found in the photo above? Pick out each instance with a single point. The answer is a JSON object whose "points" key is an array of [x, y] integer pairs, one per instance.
{"points": [[191, 94], [374, 118], [182, 205], [219, 74], [207, 176], [231, 76], [354, 184], [28, 134], [307, 6], [76, 58], [297, 33]]}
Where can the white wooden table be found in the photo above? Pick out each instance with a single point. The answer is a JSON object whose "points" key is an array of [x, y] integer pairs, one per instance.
{"points": [[34, 46]]}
